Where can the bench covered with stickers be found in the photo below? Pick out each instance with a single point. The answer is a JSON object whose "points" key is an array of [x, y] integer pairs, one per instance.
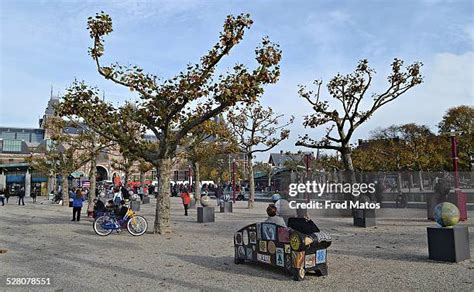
{"points": [[299, 248]]}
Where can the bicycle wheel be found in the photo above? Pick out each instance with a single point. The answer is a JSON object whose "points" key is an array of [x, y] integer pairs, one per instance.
{"points": [[100, 223], [137, 225]]}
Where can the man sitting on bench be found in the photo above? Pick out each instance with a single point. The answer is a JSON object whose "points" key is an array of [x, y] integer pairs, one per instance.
{"points": [[272, 216]]}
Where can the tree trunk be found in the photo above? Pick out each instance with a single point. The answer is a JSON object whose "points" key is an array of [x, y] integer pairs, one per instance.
{"points": [[420, 178], [410, 182], [162, 213], [125, 179], [348, 166], [142, 179], [399, 178], [251, 180], [65, 189], [93, 180], [197, 180], [51, 179]]}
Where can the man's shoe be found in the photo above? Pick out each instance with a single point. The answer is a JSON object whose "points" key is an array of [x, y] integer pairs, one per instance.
{"points": [[73, 220]]}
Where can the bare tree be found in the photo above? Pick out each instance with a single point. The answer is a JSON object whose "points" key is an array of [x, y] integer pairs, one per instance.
{"points": [[350, 91]]}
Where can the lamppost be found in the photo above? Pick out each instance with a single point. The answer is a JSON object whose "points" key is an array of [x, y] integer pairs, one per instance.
{"points": [[233, 179], [190, 178], [460, 198]]}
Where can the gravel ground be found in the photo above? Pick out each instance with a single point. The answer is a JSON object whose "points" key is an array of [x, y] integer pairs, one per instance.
{"points": [[41, 241]]}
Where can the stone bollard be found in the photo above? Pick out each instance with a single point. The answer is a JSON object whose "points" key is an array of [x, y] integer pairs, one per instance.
{"points": [[205, 214], [226, 207], [364, 217], [448, 244]]}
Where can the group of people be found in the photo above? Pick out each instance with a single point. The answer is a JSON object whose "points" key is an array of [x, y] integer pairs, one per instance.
{"points": [[279, 211], [121, 192], [98, 208], [280, 214], [5, 196]]}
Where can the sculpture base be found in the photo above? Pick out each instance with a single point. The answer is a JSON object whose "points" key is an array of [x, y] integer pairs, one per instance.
{"points": [[448, 244], [364, 217], [205, 214], [226, 207]]}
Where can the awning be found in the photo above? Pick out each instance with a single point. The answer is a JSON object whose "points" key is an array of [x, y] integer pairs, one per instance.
{"points": [[15, 178], [78, 174]]}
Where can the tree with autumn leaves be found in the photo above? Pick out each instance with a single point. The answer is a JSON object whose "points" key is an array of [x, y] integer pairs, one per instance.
{"points": [[207, 141], [170, 108], [256, 129], [408, 147], [460, 120], [68, 152]]}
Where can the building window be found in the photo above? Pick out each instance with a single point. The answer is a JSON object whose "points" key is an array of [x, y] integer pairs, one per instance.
{"points": [[11, 146], [23, 136], [36, 137], [8, 135]]}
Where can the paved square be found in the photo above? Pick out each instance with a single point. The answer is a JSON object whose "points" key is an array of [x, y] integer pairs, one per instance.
{"points": [[41, 241]]}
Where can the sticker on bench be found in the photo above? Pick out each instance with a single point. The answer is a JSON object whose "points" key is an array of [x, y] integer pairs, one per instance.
{"points": [[283, 235], [320, 256], [252, 237], [263, 246], [264, 258], [310, 261], [249, 253], [238, 238], [241, 252], [268, 231], [298, 259], [280, 257], [271, 247]]}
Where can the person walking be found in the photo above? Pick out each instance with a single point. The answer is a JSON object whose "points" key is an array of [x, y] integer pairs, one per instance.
{"points": [[33, 195], [219, 194], [117, 196], [2, 197], [77, 206], [21, 196], [186, 201], [7, 193]]}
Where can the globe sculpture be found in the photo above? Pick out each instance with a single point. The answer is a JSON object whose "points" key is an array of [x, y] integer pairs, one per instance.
{"points": [[446, 214], [205, 201]]}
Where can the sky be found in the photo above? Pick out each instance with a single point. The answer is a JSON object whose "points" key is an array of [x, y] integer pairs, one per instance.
{"points": [[45, 43]]}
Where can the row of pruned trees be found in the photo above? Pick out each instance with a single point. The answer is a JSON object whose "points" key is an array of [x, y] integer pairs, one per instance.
{"points": [[182, 111], [416, 148]]}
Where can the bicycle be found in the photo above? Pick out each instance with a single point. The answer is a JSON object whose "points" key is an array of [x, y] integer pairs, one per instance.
{"points": [[135, 224]]}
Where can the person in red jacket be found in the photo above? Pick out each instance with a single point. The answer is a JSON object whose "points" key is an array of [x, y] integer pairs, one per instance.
{"points": [[186, 201]]}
